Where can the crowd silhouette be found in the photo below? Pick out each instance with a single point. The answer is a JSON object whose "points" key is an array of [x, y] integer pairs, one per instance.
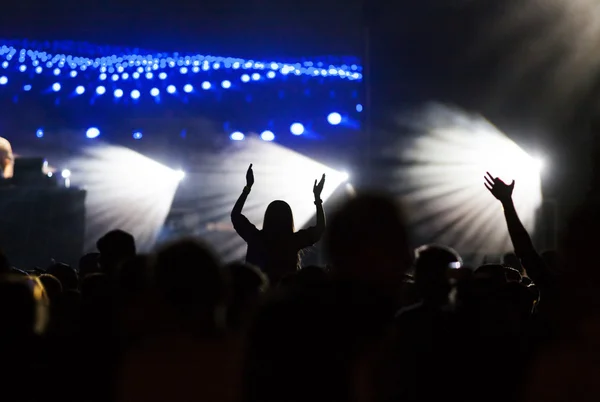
{"points": [[380, 323]]}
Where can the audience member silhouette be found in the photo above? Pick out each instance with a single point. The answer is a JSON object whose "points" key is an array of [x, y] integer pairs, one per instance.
{"points": [[275, 249], [115, 248]]}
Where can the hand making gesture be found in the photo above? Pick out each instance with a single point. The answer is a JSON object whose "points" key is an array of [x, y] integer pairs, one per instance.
{"points": [[499, 189], [249, 177], [318, 188]]}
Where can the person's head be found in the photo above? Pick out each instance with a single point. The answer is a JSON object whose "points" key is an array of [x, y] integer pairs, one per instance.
{"points": [[367, 241], [511, 260], [115, 247], [88, 264], [432, 265], [278, 218], [65, 274], [52, 286], [23, 306]]}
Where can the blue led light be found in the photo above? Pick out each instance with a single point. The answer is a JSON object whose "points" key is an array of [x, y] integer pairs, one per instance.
{"points": [[359, 108], [183, 70], [334, 118], [124, 76], [135, 75], [171, 89], [27, 87], [22, 68], [3, 80], [245, 78], [162, 75], [73, 73], [80, 90], [187, 88], [154, 92], [115, 77], [102, 77], [206, 85], [135, 94], [226, 84], [267, 136], [237, 136], [137, 135], [56, 71], [297, 129], [92, 132], [56, 87], [38, 70], [5, 64], [256, 76], [271, 74], [100, 90], [149, 76], [118, 93], [39, 133]]}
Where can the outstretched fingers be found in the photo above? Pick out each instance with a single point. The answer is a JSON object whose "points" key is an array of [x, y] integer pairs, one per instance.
{"points": [[489, 181], [488, 187]]}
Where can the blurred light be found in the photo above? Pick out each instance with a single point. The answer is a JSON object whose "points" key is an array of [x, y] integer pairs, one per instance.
{"points": [[22, 68], [56, 87], [3, 80], [80, 89], [344, 176], [66, 173], [237, 136], [271, 74], [297, 129], [226, 84], [539, 165], [359, 108], [183, 70], [115, 77], [118, 93], [135, 75], [102, 77], [256, 76], [92, 132], [188, 88], [334, 118], [27, 87], [135, 94], [39, 133], [149, 75], [162, 75], [38, 70], [154, 92], [171, 89], [56, 71], [73, 73], [179, 175], [100, 90], [267, 135], [206, 85], [441, 180], [245, 78], [137, 135]]}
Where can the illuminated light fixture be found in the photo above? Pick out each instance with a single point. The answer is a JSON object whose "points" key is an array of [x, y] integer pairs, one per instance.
{"points": [[118, 93], [73, 74], [38, 70], [297, 129], [179, 175], [267, 135], [237, 136], [80, 90], [135, 94], [27, 87], [271, 74], [39, 133], [256, 76], [359, 108], [66, 174], [245, 78], [226, 84], [115, 77], [3, 80], [334, 118], [100, 90], [206, 85], [22, 68], [171, 89], [162, 75], [137, 135], [56, 87], [102, 77], [154, 92], [189, 88], [92, 132], [56, 71]]}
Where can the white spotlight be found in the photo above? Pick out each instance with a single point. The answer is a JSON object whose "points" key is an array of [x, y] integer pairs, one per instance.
{"points": [[66, 174], [179, 175]]}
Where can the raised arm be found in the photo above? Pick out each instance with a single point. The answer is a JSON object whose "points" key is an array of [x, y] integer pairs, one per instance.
{"points": [[241, 224], [522, 244], [313, 234]]}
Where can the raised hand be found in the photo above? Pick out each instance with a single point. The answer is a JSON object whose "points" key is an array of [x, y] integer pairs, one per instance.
{"points": [[498, 188], [249, 177], [318, 188]]}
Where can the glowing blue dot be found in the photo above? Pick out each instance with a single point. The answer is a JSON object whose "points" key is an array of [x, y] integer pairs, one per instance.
{"points": [[149, 76], [39, 133], [154, 92], [118, 93], [216, 66], [297, 129], [3, 80], [5, 64], [183, 70], [334, 118], [92, 132], [274, 66], [115, 77], [27, 87], [171, 89], [237, 136], [137, 135], [271, 74], [38, 70], [135, 94], [359, 108], [245, 78], [195, 69], [56, 71], [79, 90], [56, 87], [22, 68], [102, 77], [206, 85], [267, 136], [226, 84], [125, 76], [100, 90], [162, 75], [73, 73], [256, 76], [135, 75]]}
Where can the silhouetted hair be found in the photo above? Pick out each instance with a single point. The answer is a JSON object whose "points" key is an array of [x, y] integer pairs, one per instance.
{"points": [[88, 264], [65, 274], [278, 218], [52, 286], [116, 246]]}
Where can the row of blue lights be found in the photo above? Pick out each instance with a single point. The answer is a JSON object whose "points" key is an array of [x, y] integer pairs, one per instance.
{"points": [[196, 63], [296, 129]]}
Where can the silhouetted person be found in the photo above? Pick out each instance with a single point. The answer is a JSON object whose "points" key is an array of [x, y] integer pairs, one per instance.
{"points": [[248, 286], [89, 264], [115, 247], [66, 275], [53, 287], [275, 249]]}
